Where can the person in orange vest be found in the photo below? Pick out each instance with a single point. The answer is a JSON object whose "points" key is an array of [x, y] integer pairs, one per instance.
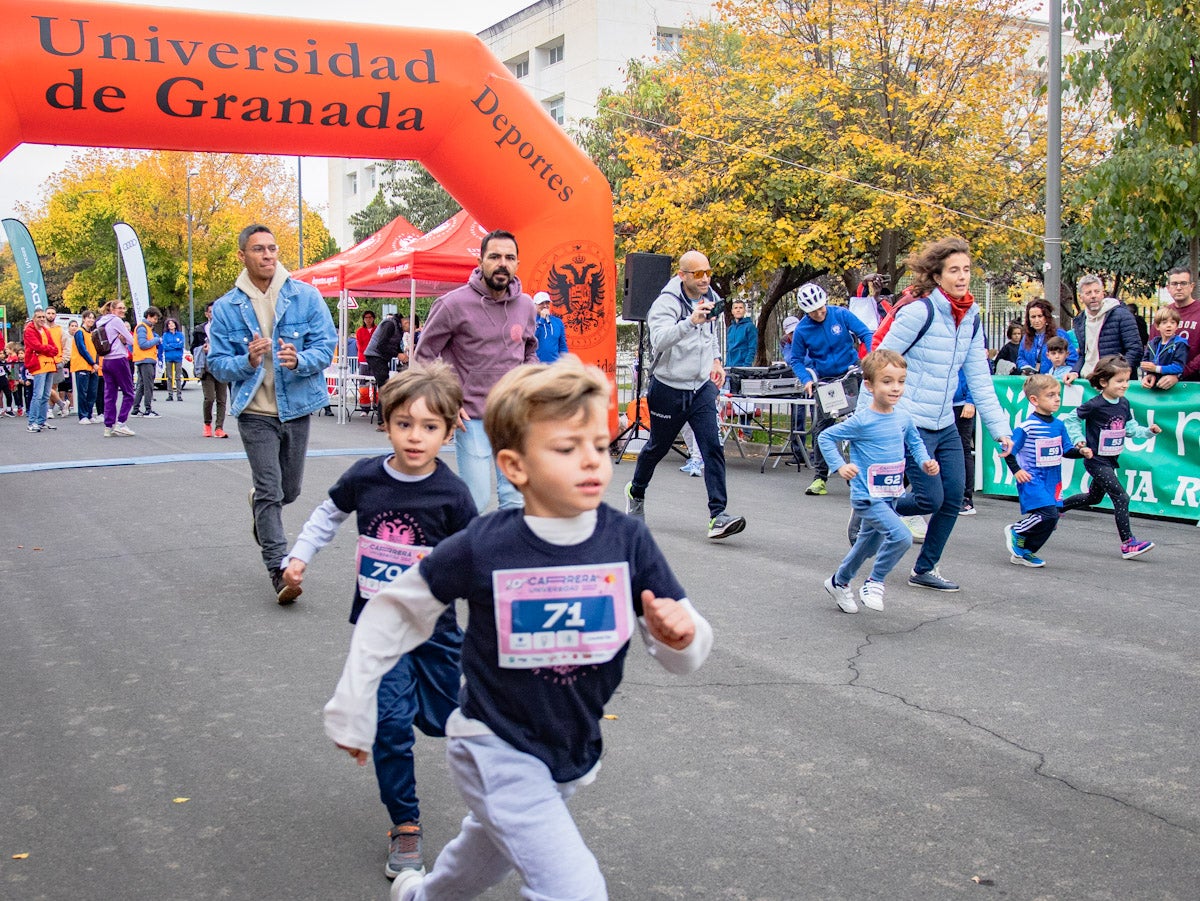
{"points": [[145, 360], [60, 400], [85, 367]]}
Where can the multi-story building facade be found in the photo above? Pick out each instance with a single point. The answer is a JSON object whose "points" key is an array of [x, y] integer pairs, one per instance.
{"points": [[564, 52]]}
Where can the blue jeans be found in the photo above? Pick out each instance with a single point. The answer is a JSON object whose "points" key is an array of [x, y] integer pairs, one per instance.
{"points": [[670, 408], [86, 383], [275, 451], [475, 465], [421, 689], [39, 400], [940, 495], [882, 531]]}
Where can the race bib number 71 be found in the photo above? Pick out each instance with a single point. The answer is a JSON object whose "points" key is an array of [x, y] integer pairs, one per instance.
{"points": [[562, 615]]}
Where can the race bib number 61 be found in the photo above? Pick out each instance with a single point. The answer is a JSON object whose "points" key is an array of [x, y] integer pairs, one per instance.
{"points": [[562, 615]]}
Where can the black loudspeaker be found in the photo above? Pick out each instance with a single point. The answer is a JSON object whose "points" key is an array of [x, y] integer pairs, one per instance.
{"points": [[646, 274]]}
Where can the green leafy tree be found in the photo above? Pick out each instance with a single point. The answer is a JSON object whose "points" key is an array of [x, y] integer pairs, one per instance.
{"points": [[793, 138], [371, 218], [73, 228], [407, 189], [1144, 59], [417, 195]]}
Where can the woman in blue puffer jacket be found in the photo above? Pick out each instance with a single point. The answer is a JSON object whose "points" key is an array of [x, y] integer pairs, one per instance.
{"points": [[939, 334], [172, 356], [1040, 327]]}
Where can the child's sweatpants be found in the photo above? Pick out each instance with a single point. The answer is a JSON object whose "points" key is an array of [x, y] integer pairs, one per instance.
{"points": [[1104, 481], [518, 819], [1035, 527], [881, 530]]}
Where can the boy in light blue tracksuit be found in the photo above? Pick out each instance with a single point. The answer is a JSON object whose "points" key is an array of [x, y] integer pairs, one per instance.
{"points": [[879, 434]]}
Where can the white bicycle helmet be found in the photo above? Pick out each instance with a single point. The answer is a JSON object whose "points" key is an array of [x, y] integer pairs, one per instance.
{"points": [[811, 297]]}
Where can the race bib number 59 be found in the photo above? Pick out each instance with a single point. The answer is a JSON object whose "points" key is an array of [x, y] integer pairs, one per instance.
{"points": [[562, 615]]}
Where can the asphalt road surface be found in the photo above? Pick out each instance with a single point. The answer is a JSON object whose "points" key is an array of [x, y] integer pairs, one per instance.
{"points": [[1033, 736]]}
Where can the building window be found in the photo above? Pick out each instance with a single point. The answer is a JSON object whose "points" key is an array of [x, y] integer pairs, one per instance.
{"points": [[557, 109], [554, 54], [371, 179], [519, 67], [668, 40], [352, 183]]}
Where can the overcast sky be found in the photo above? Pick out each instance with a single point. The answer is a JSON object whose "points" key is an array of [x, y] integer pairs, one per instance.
{"points": [[23, 172]]}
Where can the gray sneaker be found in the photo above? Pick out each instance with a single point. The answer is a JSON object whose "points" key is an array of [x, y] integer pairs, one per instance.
{"points": [[404, 850], [723, 525], [634, 506], [932, 579]]}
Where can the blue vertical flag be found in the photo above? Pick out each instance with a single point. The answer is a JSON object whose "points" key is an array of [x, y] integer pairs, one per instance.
{"points": [[29, 267]]}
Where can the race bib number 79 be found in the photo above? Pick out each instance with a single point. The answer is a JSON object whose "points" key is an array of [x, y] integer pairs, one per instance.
{"points": [[379, 562], [562, 615]]}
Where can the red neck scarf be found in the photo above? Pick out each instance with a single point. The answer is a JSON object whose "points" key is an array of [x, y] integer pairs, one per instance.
{"points": [[960, 306]]}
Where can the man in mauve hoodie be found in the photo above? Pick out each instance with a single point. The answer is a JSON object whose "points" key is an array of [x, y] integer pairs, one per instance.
{"points": [[482, 330]]}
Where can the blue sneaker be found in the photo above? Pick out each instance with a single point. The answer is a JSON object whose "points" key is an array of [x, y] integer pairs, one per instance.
{"points": [[1017, 554]]}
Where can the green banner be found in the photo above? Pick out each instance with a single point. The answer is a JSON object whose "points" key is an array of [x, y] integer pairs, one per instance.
{"points": [[29, 267], [1161, 474]]}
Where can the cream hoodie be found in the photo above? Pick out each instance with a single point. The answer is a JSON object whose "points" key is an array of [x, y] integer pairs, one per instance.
{"points": [[263, 403]]}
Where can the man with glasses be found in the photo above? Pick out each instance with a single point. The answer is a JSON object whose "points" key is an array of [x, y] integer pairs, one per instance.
{"points": [[272, 338], [1181, 286], [686, 375]]}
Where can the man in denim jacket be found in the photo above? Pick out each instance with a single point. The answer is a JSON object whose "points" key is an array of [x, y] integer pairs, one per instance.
{"points": [[272, 338]]}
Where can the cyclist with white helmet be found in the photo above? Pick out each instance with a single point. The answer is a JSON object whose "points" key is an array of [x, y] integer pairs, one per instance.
{"points": [[823, 348]]}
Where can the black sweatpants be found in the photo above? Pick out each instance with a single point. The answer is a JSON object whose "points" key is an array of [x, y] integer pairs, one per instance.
{"points": [[1035, 527], [1104, 481]]}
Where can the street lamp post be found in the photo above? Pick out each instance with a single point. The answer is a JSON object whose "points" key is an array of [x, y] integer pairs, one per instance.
{"points": [[191, 301]]}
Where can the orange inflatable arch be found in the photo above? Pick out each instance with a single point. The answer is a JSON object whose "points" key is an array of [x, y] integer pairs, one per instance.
{"points": [[110, 75]]}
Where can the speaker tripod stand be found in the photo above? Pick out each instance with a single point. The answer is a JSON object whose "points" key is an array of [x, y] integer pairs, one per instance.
{"points": [[631, 431]]}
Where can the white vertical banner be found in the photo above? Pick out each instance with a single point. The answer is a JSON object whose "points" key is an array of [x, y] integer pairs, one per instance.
{"points": [[135, 267]]}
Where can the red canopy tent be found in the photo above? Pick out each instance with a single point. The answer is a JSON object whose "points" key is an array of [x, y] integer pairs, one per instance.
{"points": [[326, 276], [434, 263]]}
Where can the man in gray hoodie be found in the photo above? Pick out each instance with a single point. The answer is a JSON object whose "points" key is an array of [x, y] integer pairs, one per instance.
{"points": [[686, 376], [482, 330]]}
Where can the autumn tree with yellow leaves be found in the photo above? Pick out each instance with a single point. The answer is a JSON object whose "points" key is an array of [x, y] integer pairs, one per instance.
{"points": [[791, 139], [148, 190]]}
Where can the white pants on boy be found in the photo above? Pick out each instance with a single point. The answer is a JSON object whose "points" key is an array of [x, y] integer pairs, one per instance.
{"points": [[518, 820]]}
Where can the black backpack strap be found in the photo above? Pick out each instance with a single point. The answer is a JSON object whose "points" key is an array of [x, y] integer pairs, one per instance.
{"points": [[924, 330]]}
